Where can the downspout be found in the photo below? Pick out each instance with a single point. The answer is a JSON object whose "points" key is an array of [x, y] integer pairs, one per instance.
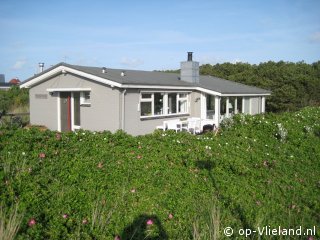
{"points": [[123, 110]]}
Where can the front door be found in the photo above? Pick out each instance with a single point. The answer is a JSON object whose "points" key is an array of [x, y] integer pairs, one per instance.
{"points": [[65, 115]]}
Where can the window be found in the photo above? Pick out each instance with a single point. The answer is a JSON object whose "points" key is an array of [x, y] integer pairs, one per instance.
{"points": [[76, 107], [85, 98], [163, 104], [182, 103], [172, 103], [158, 103], [146, 104], [210, 103], [239, 105], [223, 109]]}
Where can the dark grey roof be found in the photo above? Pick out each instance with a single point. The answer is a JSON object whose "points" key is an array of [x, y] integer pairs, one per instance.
{"points": [[135, 77], [229, 87]]}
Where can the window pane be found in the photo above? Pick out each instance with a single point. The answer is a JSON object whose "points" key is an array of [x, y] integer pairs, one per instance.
{"points": [[146, 109], [239, 104], [182, 95], [172, 102], [223, 105], [158, 104], [182, 106], [210, 102], [146, 95], [87, 97], [231, 104], [76, 107]]}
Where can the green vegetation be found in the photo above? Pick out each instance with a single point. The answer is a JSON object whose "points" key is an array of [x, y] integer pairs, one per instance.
{"points": [[257, 171], [14, 100]]}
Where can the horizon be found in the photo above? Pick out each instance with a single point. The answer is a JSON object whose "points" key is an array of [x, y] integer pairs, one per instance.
{"points": [[155, 36]]}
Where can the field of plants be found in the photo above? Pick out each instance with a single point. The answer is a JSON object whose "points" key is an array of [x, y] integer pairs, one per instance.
{"points": [[256, 171]]}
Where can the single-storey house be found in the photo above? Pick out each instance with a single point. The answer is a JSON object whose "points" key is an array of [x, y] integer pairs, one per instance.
{"points": [[69, 97]]}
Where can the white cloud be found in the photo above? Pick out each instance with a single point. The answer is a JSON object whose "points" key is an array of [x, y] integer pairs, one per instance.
{"points": [[131, 62], [315, 37], [19, 64]]}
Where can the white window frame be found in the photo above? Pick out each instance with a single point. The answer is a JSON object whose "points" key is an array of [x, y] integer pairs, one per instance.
{"points": [[165, 103], [151, 100], [73, 126], [181, 99], [83, 100]]}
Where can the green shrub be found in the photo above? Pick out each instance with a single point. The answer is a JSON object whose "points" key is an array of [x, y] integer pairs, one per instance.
{"points": [[97, 185]]}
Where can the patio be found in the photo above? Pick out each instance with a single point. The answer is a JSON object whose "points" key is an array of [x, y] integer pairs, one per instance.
{"points": [[192, 125]]}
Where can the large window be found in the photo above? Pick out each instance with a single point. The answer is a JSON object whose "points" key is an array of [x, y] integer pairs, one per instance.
{"points": [[163, 104]]}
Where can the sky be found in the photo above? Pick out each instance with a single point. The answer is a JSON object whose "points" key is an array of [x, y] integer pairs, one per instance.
{"points": [[154, 35]]}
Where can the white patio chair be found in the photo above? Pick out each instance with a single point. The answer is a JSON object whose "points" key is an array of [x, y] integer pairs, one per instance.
{"points": [[194, 125], [163, 126], [174, 125]]}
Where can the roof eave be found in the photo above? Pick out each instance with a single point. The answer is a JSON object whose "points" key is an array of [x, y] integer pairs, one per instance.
{"points": [[63, 69]]}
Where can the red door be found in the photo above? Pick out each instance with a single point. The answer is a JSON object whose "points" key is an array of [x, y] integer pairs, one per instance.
{"points": [[65, 108]]}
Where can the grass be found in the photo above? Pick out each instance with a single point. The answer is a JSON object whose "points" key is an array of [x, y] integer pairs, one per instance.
{"points": [[10, 222]]}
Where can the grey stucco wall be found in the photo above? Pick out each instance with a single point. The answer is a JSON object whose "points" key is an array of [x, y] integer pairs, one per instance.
{"points": [[102, 114], [195, 104], [43, 111]]}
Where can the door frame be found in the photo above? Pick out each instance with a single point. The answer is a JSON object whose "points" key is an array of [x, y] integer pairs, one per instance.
{"points": [[59, 110], [56, 92]]}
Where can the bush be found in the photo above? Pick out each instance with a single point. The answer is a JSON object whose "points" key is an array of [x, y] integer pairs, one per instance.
{"points": [[98, 185]]}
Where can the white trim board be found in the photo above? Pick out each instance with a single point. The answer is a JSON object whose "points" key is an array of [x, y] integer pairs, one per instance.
{"points": [[68, 89]]}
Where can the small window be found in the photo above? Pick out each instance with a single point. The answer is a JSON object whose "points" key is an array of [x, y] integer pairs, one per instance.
{"points": [[85, 98], [146, 95]]}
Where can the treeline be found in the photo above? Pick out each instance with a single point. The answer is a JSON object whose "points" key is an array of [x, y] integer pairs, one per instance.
{"points": [[14, 100], [293, 85]]}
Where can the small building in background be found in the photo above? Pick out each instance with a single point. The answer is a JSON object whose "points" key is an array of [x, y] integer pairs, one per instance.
{"points": [[7, 85]]}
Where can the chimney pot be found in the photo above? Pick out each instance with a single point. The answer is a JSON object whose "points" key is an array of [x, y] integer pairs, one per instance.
{"points": [[190, 56], [41, 67]]}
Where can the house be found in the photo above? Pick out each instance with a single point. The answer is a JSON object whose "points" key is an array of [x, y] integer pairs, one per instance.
{"points": [[7, 85], [68, 97]]}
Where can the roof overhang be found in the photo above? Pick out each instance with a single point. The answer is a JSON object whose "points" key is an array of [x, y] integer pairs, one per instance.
{"points": [[244, 94], [68, 89], [65, 69]]}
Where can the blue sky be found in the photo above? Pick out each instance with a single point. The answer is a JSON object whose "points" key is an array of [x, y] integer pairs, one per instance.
{"points": [[155, 35]]}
